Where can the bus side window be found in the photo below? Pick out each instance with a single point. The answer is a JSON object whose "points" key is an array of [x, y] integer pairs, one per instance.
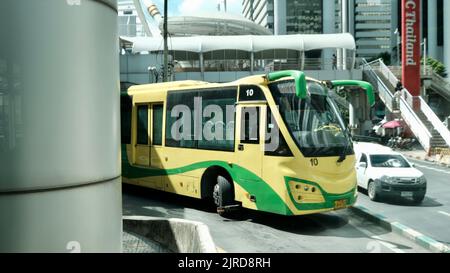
{"points": [[250, 125], [142, 125], [275, 144], [157, 124], [180, 119]]}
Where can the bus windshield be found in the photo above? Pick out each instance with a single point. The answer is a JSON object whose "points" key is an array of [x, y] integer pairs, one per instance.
{"points": [[314, 122]]}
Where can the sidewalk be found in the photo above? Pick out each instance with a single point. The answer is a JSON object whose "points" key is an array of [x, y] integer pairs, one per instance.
{"points": [[441, 159]]}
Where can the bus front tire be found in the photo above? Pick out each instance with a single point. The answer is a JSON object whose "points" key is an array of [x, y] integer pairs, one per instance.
{"points": [[223, 194]]}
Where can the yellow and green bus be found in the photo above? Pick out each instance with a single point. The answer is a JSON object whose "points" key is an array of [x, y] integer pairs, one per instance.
{"points": [[275, 143]]}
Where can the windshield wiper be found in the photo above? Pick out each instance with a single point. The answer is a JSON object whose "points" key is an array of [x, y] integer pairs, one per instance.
{"points": [[343, 154]]}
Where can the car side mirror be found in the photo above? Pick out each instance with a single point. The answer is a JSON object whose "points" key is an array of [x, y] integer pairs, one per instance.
{"points": [[413, 165], [362, 165]]}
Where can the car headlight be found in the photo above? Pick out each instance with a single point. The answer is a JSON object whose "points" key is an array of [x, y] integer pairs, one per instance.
{"points": [[387, 179], [422, 180]]}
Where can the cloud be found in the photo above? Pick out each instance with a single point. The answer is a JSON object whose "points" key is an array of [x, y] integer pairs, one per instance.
{"points": [[191, 6]]}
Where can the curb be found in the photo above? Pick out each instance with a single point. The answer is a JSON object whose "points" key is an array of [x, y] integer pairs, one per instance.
{"points": [[408, 233], [178, 235], [428, 160]]}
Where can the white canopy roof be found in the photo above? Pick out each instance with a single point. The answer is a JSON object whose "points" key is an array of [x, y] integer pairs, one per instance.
{"points": [[250, 43]]}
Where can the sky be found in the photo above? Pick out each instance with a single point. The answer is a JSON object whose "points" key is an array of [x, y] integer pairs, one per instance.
{"points": [[184, 7]]}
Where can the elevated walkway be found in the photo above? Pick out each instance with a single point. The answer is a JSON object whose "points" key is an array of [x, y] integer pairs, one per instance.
{"points": [[425, 125], [431, 79]]}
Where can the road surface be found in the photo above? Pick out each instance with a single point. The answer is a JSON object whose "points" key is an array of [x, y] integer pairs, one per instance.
{"points": [[257, 232]]}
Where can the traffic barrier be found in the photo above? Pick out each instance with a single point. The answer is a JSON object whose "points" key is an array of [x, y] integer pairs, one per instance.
{"points": [[178, 235]]}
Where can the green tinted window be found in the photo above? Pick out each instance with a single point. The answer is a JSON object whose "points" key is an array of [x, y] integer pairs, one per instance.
{"points": [[157, 124], [142, 125]]}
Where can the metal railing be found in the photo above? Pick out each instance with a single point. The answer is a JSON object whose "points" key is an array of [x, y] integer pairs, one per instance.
{"points": [[419, 129], [438, 125], [442, 84], [383, 91]]}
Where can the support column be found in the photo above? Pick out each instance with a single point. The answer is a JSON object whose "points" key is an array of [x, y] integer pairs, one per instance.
{"points": [[60, 178], [279, 17], [328, 17], [202, 66], [432, 29], [351, 18], [344, 30], [252, 62], [395, 26], [447, 35]]}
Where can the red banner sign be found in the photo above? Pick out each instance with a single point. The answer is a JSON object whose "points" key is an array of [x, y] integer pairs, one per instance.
{"points": [[411, 46]]}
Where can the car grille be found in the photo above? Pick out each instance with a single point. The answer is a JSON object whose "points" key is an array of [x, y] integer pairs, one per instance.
{"points": [[407, 180], [405, 188]]}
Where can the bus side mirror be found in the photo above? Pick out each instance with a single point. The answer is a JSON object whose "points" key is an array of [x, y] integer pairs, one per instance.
{"points": [[362, 165], [365, 85], [299, 78]]}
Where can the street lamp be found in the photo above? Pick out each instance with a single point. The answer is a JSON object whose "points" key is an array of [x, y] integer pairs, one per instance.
{"points": [[424, 55]]}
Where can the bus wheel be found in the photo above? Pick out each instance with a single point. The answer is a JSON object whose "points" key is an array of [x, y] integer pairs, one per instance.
{"points": [[223, 195]]}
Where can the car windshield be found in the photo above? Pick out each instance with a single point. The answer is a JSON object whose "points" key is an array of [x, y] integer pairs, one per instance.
{"points": [[314, 122], [389, 161]]}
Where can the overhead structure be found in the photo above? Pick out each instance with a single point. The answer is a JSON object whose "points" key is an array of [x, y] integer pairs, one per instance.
{"points": [[215, 23], [249, 43]]}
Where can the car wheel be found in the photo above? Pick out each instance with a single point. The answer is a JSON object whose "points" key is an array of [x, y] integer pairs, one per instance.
{"points": [[418, 197], [372, 191], [223, 195]]}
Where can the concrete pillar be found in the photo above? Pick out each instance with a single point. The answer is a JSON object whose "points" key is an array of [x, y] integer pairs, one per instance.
{"points": [[351, 17], [202, 66], [328, 17], [447, 35], [60, 185], [421, 19], [432, 29], [279, 17], [344, 30], [252, 62], [394, 26]]}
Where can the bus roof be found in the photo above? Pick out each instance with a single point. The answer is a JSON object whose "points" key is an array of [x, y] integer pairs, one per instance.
{"points": [[255, 79]]}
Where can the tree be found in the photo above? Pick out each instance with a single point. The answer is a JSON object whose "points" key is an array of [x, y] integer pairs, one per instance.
{"points": [[385, 56], [436, 66]]}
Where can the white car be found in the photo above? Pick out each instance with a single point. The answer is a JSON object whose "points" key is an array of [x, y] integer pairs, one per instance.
{"points": [[385, 173]]}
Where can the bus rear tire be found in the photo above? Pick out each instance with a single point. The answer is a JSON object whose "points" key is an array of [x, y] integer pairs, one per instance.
{"points": [[223, 195]]}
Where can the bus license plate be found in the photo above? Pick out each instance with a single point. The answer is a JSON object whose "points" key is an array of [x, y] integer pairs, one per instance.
{"points": [[340, 204]]}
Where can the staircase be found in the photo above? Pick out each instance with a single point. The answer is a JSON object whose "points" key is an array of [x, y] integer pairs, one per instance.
{"points": [[426, 126], [434, 80], [437, 141]]}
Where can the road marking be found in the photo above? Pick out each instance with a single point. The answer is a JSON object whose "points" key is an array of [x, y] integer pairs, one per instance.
{"points": [[444, 213], [220, 250], [388, 245], [378, 240], [432, 168]]}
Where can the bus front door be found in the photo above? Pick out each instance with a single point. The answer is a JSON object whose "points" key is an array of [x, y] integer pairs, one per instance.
{"points": [[148, 140], [249, 142]]}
